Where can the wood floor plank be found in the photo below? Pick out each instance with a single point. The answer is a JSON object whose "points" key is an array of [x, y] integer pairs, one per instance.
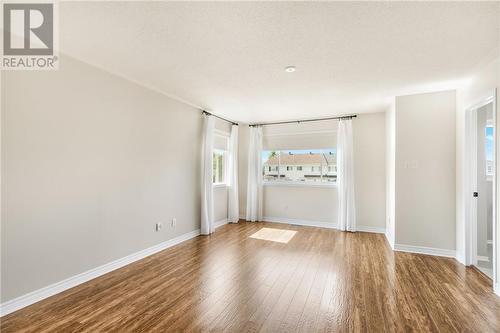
{"points": [[322, 280]]}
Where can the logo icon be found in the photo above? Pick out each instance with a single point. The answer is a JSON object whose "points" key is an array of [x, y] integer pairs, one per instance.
{"points": [[28, 36]]}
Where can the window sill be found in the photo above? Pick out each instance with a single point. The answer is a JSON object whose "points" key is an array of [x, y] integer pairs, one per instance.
{"points": [[300, 184], [220, 185]]}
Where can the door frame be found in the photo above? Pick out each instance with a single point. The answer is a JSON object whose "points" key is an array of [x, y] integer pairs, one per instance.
{"points": [[470, 183]]}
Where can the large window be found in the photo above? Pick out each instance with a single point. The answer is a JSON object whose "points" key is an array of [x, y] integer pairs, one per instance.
{"points": [[305, 166], [219, 167]]}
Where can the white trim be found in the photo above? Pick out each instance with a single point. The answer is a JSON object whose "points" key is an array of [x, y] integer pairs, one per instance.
{"points": [[219, 185], [220, 223], [469, 175], [319, 224], [58, 287], [496, 289], [425, 250], [460, 258], [389, 238], [367, 228], [299, 184], [483, 258], [489, 242]]}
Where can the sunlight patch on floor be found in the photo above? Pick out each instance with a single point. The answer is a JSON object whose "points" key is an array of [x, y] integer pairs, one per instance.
{"points": [[274, 235]]}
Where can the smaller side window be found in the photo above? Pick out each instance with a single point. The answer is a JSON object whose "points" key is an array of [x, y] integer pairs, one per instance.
{"points": [[219, 167], [489, 144]]}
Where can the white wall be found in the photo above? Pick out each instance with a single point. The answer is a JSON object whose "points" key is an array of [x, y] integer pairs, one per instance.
{"points": [[90, 162], [303, 203], [220, 204], [369, 164], [318, 204], [425, 170]]}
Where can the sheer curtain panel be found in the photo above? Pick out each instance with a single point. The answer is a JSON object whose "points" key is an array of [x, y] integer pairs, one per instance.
{"points": [[233, 209], [254, 186], [207, 195], [345, 177]]}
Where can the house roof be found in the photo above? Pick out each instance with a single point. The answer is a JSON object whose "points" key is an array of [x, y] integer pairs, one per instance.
{"points": [[302, 159]]}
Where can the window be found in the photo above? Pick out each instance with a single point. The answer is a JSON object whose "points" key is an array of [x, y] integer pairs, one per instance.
{"points": [[489, 150], [304, 166], [219, 167]]}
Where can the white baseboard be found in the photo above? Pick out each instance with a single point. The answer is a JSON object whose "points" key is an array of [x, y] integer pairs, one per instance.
{"points": [[55, 288], [483, 258], [460, 258], [496, 289], [329, 225], [220, 223], [320, 224], [425, 250], [366, 228], [390, 238]]}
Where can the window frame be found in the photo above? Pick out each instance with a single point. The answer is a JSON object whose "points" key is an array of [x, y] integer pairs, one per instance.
{"points": [[295, 183], [489, 175], [225, 182]]}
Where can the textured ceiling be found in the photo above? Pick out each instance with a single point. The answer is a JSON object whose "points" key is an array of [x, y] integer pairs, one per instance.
{"points": [[230, 57]]}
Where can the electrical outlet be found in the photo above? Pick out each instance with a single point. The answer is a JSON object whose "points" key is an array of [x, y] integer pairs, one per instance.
{"points": [[158, 227], [174, 222]]}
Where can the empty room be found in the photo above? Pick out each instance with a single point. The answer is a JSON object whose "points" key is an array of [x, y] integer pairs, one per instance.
{"points": [[249, 166]]}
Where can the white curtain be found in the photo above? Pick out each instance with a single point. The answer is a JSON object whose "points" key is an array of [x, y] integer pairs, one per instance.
{"points": [[254, 186], [345, 177], [233, 209], [207, 195]]}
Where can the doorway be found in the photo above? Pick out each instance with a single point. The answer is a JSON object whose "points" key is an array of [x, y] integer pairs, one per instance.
{"points": [[481, 189]]}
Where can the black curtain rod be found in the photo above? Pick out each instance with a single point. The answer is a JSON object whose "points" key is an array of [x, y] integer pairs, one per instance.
{"points": [[216, 116], [306, 120]]}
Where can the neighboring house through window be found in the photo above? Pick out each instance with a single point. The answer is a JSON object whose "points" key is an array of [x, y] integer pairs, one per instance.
{"points": [[307, 166]]}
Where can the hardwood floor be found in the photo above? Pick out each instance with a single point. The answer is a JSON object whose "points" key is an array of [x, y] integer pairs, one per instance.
{"points": [[322, 280]]}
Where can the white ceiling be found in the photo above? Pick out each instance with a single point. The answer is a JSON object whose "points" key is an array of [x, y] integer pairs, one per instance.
{"points": [[230, 57]]}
